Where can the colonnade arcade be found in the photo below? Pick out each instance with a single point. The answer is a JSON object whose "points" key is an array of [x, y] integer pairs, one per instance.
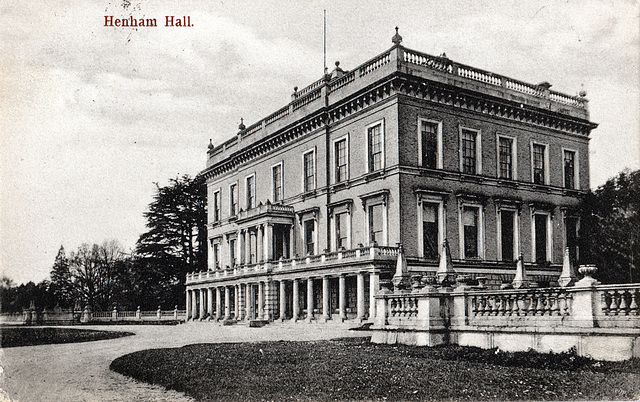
{"points": [[336, 296]]}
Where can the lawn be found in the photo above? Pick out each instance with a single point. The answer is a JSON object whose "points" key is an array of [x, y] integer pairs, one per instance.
{"points": [[29, 336], [355, 369]]}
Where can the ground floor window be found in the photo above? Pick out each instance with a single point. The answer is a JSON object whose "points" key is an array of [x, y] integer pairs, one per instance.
{"points": [[541, 238], [507, 235], [471, 232]]}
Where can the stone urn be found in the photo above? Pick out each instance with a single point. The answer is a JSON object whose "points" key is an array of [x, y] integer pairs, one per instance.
{"points": [[588, 281]]}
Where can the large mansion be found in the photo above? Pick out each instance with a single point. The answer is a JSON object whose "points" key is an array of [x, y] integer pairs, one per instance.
{"points": [[308, 207]]}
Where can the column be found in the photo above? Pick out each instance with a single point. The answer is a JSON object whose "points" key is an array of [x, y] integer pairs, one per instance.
{"points": [[261, 300], [269, 242], [194, 302], [247, 247], [360, 296], [210, 303], [326, 314], [218, 303], [374, 285], [236, 303], [248, 302], [244, 258], [201, 295], [296, 301], [227, 302], [259, 244], [309, 299], [188, 306], [342, 296], [283, 300]]}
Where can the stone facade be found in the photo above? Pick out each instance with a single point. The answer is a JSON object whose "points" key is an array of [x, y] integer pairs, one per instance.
{"points": [[307, 206]]}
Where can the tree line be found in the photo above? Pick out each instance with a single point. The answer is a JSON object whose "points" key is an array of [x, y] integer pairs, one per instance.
{"points": [[106, 276]]}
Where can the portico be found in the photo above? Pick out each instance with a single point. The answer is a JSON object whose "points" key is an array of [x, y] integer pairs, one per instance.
{"points": [[342, 288]]}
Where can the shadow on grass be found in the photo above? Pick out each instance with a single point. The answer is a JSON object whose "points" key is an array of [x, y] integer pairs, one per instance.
{"points": [[31, 336], [355, 369]]}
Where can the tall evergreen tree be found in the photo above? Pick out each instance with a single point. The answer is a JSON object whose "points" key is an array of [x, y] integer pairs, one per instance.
{"points": [[61, 284], [175, 243]]}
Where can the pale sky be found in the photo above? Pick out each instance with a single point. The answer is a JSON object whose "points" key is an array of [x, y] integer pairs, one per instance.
{"points": [[92, 116]]}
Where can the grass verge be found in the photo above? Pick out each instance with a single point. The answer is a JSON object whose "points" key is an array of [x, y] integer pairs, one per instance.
{"points": [[30, 336], [355, 369]]}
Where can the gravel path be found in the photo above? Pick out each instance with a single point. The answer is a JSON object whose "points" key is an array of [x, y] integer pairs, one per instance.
{"points": [[80, 371]]}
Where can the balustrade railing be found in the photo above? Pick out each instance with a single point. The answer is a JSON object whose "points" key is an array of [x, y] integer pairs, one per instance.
{"points": [[353, 255], [619, 300], [276, 115], [548, 302], [403, 306], [374, 64], [305, 100]]}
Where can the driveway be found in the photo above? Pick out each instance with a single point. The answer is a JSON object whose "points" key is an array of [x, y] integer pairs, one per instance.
{"points": [[80, 371]]}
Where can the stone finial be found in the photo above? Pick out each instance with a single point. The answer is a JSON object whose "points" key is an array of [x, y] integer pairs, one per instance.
{"points": [[211, 145], [521, 280], [241, 126], [401, 279], [337, 72], [446, 274], [568, 275], [397, 39]]}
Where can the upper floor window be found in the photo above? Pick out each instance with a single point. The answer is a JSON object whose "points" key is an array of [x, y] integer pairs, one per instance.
{"points": [[570, 171], [216, 206], [430, 144], [309, 171], [216, 256], [341, 161], [375, 147], [506, 158], [470, 152], [539, 163], [233, 199], [276, 174], [251, 191]]}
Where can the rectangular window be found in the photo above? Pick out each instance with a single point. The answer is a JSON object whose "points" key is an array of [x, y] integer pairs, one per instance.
{"points": [[569, 169], [541, 240], [277, 183], [469, 156], [376, 220], [430, 230], [429, 144], [341, 222], [505, 149], [507, 219], [251, 192], [309, 236], [309, 171], [374, 140], [232, 252], [340, 152], [233, 199], [470, 232], [216, 255], [216, 206], [538, 161]]}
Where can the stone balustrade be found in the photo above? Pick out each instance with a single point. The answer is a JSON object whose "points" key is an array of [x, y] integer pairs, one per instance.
{"points": [[599, 320], [373, 252]]}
